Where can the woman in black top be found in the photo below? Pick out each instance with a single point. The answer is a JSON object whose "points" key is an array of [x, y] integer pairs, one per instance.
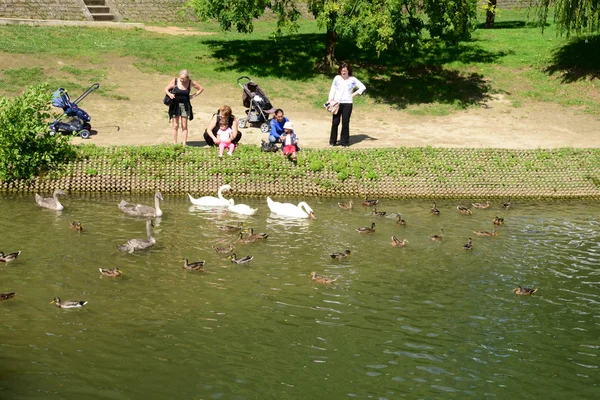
{"points": [[180, 109], [210, 134]]}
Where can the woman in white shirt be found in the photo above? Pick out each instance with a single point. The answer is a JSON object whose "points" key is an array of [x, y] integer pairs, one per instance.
{"points": [[343, 89]]}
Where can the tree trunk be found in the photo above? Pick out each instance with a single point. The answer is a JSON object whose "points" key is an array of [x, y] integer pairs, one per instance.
{"points": [[490, 14], [331, 41]]}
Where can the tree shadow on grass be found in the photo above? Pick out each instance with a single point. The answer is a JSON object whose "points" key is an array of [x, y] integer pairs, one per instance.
{"points": [[513, 25], [399, 78], [428, 85], [577, 60]]}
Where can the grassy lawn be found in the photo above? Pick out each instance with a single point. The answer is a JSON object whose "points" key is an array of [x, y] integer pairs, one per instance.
{"points": [[514, 59]]}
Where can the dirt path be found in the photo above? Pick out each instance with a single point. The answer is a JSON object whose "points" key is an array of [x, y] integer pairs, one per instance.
{"points": [[143, 119]]}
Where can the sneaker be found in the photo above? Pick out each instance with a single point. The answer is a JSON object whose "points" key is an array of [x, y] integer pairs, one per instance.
{"points": [[220, 155], [230, 154]]}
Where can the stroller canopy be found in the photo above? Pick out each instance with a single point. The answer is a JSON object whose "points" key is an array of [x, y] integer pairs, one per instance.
{"points": [[60, 99], [253, 92]]}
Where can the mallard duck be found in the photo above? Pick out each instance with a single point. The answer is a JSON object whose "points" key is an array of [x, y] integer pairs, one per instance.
{"points": [[247, 239], [339, 255], [77, 226], [68, 304], [321, 278], [481, 205], [240, 208], [370, 203], [230, 228], [140, 244], [241, 260], [51, 202], [367, 230], [485, 233], [346, 206], [6, 296], [439, 236], [224, 250], [498, 221], [9, 257], [434, 210], [507, 204], [469, 245], [524, 291], [399, 243], [211, 201], [140, 210], [112, 272], [464, 210], [195, 266], [379, 213], [302, 210], [257, 236], [399, 220]]}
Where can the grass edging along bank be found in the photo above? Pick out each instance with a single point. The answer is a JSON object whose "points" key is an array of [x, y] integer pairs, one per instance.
{"points": [[393, 173]]}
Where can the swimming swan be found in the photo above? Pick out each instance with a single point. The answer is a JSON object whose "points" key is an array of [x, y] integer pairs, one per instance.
{"points": [[50, 202], [140, 210], [139, 244], [302, 210], [212, 201], [240, 208]]}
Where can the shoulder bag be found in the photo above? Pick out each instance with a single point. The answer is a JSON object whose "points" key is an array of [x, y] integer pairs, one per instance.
{"points": [[167, 100]]}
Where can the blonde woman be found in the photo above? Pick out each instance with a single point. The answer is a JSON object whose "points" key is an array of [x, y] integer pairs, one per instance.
{"points": [[180, 109]]}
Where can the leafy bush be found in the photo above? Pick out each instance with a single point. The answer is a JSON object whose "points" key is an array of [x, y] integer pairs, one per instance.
{"points": [[26, 150]]}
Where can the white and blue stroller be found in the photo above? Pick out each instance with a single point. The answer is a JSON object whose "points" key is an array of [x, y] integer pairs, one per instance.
{"points": [[78, 121]]}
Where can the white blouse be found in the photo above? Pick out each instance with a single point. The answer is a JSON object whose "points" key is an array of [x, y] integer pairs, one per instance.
{"points": [[341, 89]]}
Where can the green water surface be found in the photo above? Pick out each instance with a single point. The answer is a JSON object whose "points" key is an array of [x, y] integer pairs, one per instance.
{"points": [[427, 321]]}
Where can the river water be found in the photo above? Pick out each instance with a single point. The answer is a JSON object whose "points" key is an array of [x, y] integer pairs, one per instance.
{"points": [[427, 321]]}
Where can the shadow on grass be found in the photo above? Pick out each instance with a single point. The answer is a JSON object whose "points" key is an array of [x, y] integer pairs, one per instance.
{"points": [[513, 25], [399, 78], [577, 60]]}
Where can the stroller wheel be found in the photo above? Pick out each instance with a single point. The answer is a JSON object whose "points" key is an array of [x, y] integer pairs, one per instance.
{"points": [[242, 122], [52, 131], [85, 134], [87, 126], [264, 127]]}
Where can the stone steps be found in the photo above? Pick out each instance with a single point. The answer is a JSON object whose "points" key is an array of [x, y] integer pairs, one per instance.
{"points": [[99, 10]]}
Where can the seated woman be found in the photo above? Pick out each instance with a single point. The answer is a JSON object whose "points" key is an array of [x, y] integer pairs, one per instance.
{"points": [[224, 112]]}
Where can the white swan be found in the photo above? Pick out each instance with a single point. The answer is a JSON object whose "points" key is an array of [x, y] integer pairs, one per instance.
{"points": [[211, 201], [50, 202], [241, 208], [140, 210], [302, 210], [139, 244]]}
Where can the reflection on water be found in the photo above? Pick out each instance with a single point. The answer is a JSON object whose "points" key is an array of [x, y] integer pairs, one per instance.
{"points": [[424, 321]]}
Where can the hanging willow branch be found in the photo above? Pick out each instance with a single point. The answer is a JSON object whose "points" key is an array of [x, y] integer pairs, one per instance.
{"points": [[578, 17]]}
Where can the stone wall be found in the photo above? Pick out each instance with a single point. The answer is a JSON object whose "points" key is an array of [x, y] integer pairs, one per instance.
{"points": [[151, 10], [74, 10]]}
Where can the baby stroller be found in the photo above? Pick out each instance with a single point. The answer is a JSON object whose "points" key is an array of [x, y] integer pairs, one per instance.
{"points": [[78, 121], [257, 103]]}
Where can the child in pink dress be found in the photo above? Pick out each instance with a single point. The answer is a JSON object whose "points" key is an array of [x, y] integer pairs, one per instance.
{"points": [[224, 138], [290, 141]]}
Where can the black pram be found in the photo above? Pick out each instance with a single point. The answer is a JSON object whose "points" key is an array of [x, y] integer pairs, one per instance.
{"points": [[259, 108]]}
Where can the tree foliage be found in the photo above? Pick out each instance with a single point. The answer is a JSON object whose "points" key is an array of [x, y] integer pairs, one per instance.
{"points": [[375, 24], [26, 148], [577, 17]]}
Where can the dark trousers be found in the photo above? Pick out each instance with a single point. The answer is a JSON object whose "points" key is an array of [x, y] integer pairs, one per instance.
{"points": [[210, 142], [344, 114]]}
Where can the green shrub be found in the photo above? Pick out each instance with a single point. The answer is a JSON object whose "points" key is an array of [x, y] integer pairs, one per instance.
{"points": [[26, 150]]}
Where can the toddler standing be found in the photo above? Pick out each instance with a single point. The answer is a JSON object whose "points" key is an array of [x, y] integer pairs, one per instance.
{"points": [[290, 141], [224, 137]]}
